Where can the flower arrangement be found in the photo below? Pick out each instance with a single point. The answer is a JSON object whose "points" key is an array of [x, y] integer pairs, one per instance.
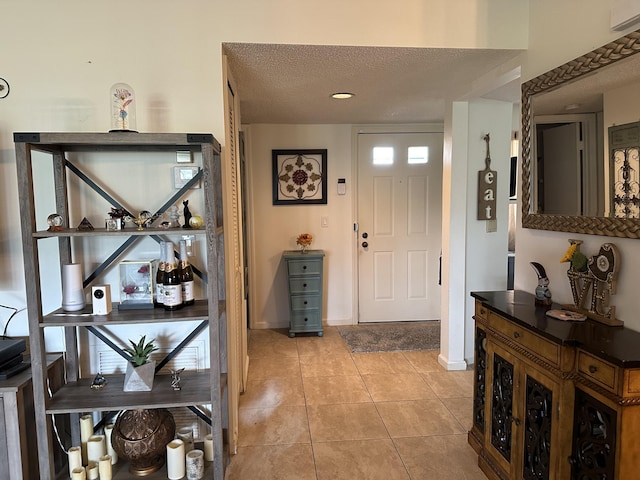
{"points": [[573, 255], [304, 240]]}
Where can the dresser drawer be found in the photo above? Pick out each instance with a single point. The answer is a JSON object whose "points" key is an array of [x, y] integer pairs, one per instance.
{"points": [[305, 267], [531, 342], [597, 370], [305, 285], [304, 302], [481, 311], [306, 321]]}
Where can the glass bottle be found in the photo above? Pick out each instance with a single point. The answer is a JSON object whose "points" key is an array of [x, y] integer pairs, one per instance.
{"points": [[186, 275], [160, 276], [172, 288], [123, 108]]}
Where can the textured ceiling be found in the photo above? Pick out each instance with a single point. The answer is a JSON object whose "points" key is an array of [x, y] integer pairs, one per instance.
{"points": [[292, 84]]}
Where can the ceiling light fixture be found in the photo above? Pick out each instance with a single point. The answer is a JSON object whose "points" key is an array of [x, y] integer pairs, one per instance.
{"points": [[342, 95]]}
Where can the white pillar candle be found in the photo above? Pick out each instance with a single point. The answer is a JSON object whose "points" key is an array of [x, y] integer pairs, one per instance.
{"points": [[75, 459], [104, 468], [175, 459], [78, 474], [208, 448], [92, 470], [108, 430], [96, 448], [195, 464], [86, 430]]}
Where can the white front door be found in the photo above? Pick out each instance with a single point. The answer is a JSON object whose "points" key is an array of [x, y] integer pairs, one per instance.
{"points": [[399, 226]]}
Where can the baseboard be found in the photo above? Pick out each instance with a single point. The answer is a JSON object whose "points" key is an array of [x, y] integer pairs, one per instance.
{"points": [[461, 365]]}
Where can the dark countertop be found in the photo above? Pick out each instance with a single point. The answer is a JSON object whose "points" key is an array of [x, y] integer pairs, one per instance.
{"points": [[618, 345]]}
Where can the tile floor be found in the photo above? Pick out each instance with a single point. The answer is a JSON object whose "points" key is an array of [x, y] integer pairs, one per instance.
{"points": [[315, 411]]}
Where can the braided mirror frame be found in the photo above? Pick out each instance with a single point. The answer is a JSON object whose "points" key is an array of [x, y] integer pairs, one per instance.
{"points": [[599, 58]]}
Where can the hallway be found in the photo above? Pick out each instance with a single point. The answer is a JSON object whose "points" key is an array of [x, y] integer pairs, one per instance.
{"points": [[315, 411]]}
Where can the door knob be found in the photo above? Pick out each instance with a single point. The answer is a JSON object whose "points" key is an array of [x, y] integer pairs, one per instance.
{"points": [[365, 244]]}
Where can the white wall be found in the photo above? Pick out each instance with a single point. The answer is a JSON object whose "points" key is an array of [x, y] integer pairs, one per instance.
{"points": [[588, 22], [277, 226], [61, 58], [473, 258]]}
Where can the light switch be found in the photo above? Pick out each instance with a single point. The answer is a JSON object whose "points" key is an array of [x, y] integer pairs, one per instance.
{"points": [[324, 221]]}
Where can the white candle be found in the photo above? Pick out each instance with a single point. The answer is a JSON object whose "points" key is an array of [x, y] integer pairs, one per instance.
{"points": [[86, 430], [186, 435], [92, 470], [75, 459], [95, 448], [195, 464], [208, 448], [78, 474], [108, 429], [175, 459], [104, 467]]}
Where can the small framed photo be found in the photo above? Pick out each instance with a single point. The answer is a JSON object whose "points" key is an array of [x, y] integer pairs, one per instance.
{"points": [[182, 175], [299, 177]]}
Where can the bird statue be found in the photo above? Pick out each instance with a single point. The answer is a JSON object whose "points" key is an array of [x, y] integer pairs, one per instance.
{"points": [[543, 294]]}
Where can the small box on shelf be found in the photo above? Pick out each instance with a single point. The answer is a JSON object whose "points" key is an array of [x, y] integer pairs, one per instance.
{"points": [[136, 284]]}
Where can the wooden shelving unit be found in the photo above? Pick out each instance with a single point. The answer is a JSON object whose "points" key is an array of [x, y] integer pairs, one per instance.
{"points": [[76, 397]]}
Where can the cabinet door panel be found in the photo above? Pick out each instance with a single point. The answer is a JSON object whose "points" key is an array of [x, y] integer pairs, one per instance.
{"points": [[537, 426], [502, 383], [479, 381], [594, 439]]}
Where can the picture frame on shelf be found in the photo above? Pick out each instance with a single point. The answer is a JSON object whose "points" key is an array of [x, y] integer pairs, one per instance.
{"points": [[299, 177]]}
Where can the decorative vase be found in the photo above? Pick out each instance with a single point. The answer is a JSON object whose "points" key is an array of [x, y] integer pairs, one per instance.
{"points": [[139, 379], [141, 437]]}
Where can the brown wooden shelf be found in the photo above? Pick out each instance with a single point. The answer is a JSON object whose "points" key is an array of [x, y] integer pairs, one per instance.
{"points": [[125, 232], [196, 312], [80, 397]]}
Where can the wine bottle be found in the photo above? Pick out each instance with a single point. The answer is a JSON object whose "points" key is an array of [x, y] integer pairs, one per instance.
{"points": [[186, 275], [172, 288], [160, 276]]}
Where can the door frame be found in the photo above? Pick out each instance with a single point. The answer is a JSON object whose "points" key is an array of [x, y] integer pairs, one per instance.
{"points": [[367, 129]]}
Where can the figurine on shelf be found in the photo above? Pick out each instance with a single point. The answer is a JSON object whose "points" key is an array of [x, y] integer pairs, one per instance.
{"points": [[174, 216], [543, 294], [187, 214], [175, 379]]}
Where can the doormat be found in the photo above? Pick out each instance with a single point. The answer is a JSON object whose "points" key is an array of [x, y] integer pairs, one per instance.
{"points": [[392, 337]]}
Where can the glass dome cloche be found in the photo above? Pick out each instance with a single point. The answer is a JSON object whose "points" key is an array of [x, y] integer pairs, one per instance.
{"points": [[123, 108]]}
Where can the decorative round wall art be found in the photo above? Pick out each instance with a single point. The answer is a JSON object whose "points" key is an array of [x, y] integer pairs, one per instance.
{"points": [[299, 177]]}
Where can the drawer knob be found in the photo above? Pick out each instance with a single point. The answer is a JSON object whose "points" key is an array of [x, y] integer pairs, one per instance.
{"points": [[304, 267], [305, 302], [593, 369], [482, 311], [306, 319], [304, 285], [516, 334]]}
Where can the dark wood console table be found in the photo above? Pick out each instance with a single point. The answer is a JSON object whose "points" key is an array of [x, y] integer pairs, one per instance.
{"points": [[553, 399]]}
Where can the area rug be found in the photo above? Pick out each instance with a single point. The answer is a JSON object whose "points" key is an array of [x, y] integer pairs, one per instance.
{"points": [[392, 337]]}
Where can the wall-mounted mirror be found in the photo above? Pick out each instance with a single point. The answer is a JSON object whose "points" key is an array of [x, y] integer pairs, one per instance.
{"points": [[569, 169]]}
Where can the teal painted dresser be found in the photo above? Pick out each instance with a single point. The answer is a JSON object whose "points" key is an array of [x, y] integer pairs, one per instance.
{"points": [[304, 275]]}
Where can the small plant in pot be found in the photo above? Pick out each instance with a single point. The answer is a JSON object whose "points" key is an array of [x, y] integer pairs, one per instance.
{"points": [[140, 369]]}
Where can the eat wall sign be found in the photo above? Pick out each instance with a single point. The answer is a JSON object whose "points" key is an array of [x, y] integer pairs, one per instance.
{"points": [[487, 180]]}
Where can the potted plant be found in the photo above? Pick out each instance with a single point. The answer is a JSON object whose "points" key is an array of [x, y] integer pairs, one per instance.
{"points": [[140, 369]]}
